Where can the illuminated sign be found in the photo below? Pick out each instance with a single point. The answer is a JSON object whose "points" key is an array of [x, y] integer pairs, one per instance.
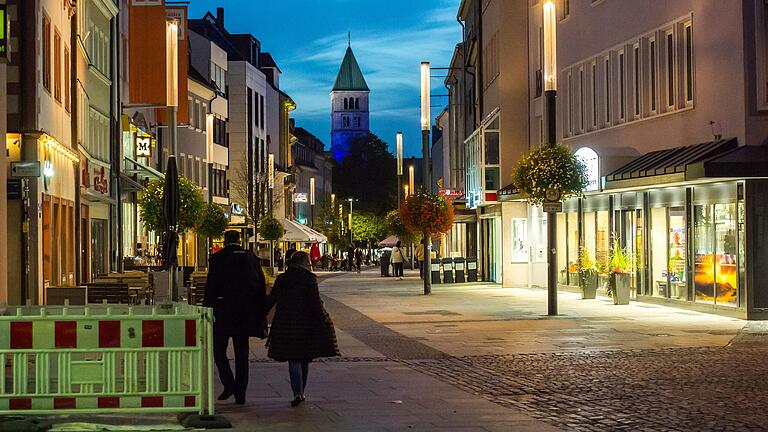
{"points": [[48, 169], [591, 162], [452, 193], [4, 30], [236, 209], [300, 198], [143, 146]]}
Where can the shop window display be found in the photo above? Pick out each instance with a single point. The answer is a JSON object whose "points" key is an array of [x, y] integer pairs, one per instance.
{"points": [[573, 249], [677, 242], [659, 252], [716, 274]]}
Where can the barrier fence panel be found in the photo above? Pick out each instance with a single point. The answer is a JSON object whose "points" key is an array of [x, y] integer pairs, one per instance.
{"points": [[106, 359]]}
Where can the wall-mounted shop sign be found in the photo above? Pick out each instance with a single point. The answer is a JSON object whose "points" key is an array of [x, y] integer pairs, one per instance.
{"points": [[452, 193], [236, 209], [300, 197], [143, 146], [100, 182], [592, 163], [21, 169], [4, 37]]}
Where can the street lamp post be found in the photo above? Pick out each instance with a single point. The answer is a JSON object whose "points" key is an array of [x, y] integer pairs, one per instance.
{"points": [[550, 113], [399, 139], [172, 101], [350, 220], [427, 174], [312, 202]]}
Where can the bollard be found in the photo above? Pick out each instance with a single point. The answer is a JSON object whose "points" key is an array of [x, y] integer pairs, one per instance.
{"points": [[447, 270], [435, 267], [472, 269]]}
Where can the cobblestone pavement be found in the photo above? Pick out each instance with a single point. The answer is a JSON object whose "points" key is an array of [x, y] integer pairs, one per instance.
{"points": [[682, 389], [715, 388]]}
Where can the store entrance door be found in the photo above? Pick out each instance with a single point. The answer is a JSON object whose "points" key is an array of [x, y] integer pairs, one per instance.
{"points": [[631, 229], [492, 262], [98, 248]]}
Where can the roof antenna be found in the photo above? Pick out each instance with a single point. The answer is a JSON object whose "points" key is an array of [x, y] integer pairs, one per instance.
{"points": [[349, 39]]}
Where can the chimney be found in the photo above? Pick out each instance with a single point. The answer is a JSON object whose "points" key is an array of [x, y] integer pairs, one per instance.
{"points": [[220, 18]]}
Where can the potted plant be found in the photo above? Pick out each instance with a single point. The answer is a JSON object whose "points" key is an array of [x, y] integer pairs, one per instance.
{"points": [[618, 279], [587, 274]]}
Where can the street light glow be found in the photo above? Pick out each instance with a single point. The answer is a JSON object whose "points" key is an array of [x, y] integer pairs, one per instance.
{"points": [[550, 46], [209, 136], [271, 170], [411, 177], [172, 63], [399, 153], [425, 95], [312, 191]]}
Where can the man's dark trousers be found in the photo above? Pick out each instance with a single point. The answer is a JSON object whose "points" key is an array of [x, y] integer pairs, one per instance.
{"points": [[238, 382]]}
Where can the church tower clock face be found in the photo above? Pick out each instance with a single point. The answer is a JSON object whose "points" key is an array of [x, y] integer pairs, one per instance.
{"points": [[350, 115]]}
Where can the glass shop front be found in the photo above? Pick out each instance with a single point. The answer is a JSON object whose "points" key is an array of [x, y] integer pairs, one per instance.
{"points": [[687, 243]]}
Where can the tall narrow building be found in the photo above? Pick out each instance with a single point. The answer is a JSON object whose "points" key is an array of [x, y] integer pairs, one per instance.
{"points": [[349, 106]]}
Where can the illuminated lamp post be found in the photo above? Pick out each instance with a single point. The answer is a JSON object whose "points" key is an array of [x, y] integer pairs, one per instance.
{"points": [[550, 115], [399, 139], [427, 174]]}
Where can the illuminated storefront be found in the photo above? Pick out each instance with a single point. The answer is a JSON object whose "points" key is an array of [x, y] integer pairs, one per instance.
{"points": [[690, 219]]}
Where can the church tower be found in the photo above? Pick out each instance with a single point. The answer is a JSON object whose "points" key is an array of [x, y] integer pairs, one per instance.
{"points": [[349, 106]]}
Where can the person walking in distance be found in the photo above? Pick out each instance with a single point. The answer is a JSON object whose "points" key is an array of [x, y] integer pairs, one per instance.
{"points": [[236, 290], [358, 258], [420, 258], [301, 328], [398, 259]]}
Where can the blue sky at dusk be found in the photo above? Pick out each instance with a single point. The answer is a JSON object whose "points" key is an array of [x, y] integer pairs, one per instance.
{"points": [[390, 38]]}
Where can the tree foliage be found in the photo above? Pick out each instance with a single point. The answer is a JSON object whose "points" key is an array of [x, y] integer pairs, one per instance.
{"points": [[395, 226], [427, 212], [271, 229], [549, 167], [367, 174], [214, 221], [190, 208], [331, 219], [368, 227]]}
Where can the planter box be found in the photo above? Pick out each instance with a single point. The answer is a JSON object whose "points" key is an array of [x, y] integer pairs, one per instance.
{"points": [[588, 285], [621, 294]]}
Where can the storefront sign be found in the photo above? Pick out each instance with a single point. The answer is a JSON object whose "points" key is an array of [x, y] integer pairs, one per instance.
{"points": [[4, 30], [85, 174], [236, 209], [300, 198], [452, 193], [592, 163], [48, 169], [25, 169], [100, 183], [143, 146]]}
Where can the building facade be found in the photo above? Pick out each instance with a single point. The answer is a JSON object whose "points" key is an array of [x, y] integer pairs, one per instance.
{"points": [[668, 119]]}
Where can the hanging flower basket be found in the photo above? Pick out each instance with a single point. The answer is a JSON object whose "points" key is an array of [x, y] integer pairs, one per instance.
{"points": [[427, 212], [549, 167]]}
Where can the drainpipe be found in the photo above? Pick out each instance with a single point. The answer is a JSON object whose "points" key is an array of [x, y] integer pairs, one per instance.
{"points": [[73, 107], [114, 97], [479, 66]]}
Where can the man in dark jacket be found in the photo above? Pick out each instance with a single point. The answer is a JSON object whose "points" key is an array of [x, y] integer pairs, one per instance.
{"points": [[236, 290]]}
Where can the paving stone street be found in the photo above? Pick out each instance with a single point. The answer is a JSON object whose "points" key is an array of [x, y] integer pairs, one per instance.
{"points": [[712, 380]]}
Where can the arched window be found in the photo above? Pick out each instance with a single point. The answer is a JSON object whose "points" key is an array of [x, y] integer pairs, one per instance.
{"points": [[346, 103], [357, 103]]}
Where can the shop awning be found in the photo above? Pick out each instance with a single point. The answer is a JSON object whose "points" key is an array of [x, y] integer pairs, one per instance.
{"points": [[298, 233], [142, 171], [389, 241], [721, 158]]}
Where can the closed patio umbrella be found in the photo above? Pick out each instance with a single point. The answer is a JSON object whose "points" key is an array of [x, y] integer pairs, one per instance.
{"points": [[171, 217]]}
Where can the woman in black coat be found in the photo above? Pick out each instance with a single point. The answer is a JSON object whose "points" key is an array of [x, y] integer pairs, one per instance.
{"points": [[301, 328]]}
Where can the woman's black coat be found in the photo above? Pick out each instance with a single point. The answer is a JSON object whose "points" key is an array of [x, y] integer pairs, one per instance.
{"points": [[301, 328]]}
